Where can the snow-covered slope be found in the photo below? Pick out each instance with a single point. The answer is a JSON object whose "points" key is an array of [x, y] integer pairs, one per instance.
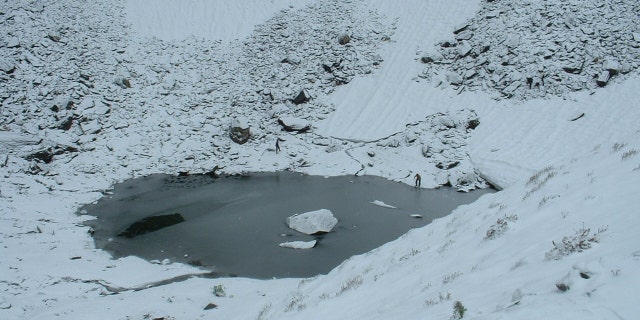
{"points": [[95, 93], [211, 19]]}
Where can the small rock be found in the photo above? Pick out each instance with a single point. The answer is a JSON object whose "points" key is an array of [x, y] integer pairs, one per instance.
{"points": [[302, 97], [464, 35], [431, 57], [344, 39], [472, 124], [612, 65], [447, 166], [218, 290], [210, 306], [293, 60], [291, 124], [603, 78], [53, 38], [492, 14], [574, 67], [322, 142], [447, 121], [463, 49], [461, 27], [13, 42], [454, 78]]}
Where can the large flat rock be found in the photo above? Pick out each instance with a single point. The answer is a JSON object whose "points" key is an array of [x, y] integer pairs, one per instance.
{"points": [[313, 222]]}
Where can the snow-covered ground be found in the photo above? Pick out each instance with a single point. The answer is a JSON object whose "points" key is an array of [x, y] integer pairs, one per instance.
{"points": [[98, 92]]}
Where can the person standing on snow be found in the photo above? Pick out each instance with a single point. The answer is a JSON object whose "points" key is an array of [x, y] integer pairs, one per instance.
{"points": [[278, 144], [418, 180]]}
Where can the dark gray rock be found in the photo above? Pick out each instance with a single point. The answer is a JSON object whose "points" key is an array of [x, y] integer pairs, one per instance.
{"points": [[344, 39], [603, 78], [240, 131], [46, 155], [291, 124], [302, 97], [447, 166], [431, 57]]}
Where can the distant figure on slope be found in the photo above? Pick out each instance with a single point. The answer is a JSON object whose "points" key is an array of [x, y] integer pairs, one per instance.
{"points": [[418, 180], [278, 144]]}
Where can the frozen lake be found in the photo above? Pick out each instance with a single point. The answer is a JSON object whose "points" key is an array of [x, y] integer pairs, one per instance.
{"points": [[233, 225]]}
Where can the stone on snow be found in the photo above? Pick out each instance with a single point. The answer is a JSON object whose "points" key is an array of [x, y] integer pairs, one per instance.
{"points": [[313, 222], [13, 42], [239, 130], [454, 78], [291, 124], [611, 64], [603, 78], [302, 97], [463, 49], [430, 57], [344, 39]]}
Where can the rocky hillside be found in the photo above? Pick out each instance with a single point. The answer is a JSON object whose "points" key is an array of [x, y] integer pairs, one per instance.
{"points": [[527, 49]]}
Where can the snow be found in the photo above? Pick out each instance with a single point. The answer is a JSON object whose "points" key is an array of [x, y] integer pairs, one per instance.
{"points": [[566, 215], [211, 19], [302, 245], [382, 204]]}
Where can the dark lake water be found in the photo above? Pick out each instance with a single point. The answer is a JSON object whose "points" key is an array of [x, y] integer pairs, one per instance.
{"points": [[233, 225]]}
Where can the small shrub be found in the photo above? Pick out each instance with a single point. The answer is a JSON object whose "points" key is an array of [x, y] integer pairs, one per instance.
{"points": [[518, 264], [295, 302], [450, 277], [409, 255], [536, 176], [546, 199], [441, 297], [539, 179], [458, 311], [500, 227], [579, 242], [617, 146], [263, 313], [445, 246], [629, 154], [352, 283]]}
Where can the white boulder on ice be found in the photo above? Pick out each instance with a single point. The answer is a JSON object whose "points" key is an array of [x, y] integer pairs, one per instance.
{"points": [[319, 221], [299, 244]]}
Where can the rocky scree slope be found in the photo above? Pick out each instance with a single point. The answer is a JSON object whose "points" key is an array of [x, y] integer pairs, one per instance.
{"points": [[529, 49]]}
